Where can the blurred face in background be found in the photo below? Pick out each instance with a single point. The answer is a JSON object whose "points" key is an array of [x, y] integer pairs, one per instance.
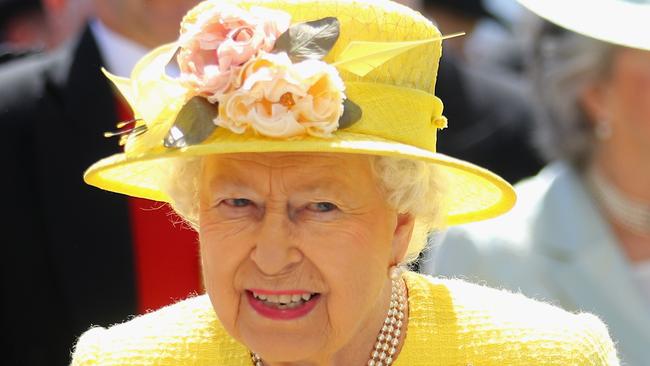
{"points": [[623, 100], [147, 22], [628, 98]]}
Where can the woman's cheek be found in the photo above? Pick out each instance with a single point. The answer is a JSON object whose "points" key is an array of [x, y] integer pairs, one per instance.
{"points": [[217, 237], [221, 274], [221, 225]]}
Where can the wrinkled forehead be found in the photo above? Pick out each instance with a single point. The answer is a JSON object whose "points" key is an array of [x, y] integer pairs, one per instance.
{"points": [[308, 169]]}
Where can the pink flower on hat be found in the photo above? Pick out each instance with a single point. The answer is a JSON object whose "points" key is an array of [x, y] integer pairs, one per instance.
{"points": [[280, 99], [217, 39]]}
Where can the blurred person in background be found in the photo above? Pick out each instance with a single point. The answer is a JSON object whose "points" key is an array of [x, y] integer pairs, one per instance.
{"points": [[490, 113], [580, 234], [54, 281], [454, 16], [28, 26], [490, 42]]}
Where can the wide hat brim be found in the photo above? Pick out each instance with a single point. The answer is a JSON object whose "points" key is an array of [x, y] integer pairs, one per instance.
{"points": [[471, 193], [621, 22]]}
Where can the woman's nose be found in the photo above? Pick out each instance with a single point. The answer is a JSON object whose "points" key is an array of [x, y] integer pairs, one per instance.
{"points": [[276, 250]]}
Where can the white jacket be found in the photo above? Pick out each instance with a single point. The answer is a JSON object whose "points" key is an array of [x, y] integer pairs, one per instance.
{"points": [[554, 246]]}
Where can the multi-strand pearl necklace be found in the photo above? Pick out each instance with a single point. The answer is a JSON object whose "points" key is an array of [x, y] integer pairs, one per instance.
{"points": [[383, 353], [635, 216], [389, 336]]}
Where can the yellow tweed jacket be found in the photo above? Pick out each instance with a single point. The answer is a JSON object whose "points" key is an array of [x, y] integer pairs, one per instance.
{"points": [[451, 322]]}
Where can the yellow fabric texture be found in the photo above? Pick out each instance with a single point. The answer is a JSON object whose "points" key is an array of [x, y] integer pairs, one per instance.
{"points": [[401, 114], [450, 323]]}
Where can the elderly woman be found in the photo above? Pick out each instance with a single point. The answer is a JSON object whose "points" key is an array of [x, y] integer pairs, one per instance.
{"points": [[580, 233], [299, 141]]}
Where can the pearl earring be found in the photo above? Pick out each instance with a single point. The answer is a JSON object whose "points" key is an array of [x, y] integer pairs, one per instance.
{"points": [[603, 130], [395, 272]]}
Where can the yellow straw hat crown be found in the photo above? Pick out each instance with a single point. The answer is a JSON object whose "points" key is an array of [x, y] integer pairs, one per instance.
{"points": [[366, 86]]}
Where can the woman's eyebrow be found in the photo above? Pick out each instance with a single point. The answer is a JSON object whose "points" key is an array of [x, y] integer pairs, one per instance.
{"points": [[222, 181], [324, 187]]}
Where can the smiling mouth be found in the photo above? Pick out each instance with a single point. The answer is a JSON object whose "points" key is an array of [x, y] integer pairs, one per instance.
{"points": [[284, 301], [289, 305]]}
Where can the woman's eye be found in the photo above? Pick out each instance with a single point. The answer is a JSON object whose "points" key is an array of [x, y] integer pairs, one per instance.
{"points": [[322, 206], [237, 202]]}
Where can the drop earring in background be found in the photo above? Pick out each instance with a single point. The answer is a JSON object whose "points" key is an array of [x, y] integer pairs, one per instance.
{"points": [[603, 130]]}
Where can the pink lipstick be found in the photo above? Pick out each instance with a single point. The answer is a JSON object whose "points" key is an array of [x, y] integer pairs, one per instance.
{"points": [[282, 305]]}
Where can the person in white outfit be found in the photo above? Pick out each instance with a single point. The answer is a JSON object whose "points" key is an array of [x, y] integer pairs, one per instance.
{"points": [[579, 236]]}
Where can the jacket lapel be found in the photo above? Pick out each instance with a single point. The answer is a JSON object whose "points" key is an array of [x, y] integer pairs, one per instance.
{"points": [[586, 264]]}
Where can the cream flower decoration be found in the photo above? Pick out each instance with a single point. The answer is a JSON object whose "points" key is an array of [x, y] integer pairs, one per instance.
{"points": [[249, 70], [280, 99], [217, 39]]}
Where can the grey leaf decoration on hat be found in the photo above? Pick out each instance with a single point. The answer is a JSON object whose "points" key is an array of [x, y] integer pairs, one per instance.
{"points": [[351, 114], [193, 124], [309, 40]]}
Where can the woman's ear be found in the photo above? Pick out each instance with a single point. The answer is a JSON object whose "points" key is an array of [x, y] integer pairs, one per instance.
{"points": [[593, 100], [402, 236]]}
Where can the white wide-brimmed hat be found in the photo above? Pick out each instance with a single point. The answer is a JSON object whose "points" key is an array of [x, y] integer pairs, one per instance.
{"points": [[621, 22]]}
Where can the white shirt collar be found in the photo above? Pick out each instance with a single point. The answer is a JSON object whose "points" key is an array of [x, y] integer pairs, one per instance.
{"points": [[119, 53]]}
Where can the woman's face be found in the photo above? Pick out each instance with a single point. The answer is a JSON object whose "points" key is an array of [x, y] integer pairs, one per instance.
{"points": [[296, 250], [632, 83], [624, 102]]}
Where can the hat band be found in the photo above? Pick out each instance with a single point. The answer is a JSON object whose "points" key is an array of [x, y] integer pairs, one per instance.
{"points": [[405, 115]]}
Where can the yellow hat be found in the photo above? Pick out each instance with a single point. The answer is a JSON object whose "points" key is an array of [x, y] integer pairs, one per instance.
{"points": [[337, 76]]}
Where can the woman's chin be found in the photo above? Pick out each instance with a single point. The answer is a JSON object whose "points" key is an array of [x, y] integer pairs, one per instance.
{"points": [[285, 346]]}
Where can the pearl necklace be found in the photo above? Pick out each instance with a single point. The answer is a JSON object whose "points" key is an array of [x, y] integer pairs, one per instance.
{"points": [[635, 216], [388, 339]]}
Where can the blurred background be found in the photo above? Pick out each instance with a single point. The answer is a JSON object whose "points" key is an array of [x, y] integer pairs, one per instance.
{"points": [[32, 26]]}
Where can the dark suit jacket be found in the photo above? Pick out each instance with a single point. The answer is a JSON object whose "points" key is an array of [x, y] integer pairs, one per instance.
{"points": [[490, 120], [66, 251]]}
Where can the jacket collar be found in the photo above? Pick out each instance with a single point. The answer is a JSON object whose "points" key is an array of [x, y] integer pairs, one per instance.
{"points": [[570, 225]]}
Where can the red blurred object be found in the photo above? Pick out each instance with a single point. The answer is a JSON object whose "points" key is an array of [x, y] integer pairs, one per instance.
{"points": [[166, 252]]}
